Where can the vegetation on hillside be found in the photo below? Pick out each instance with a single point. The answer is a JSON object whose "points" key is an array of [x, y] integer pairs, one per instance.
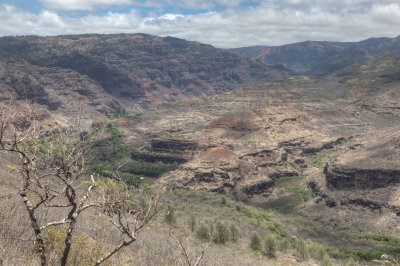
{"points": [[119, 158], [57, 190], [85, 195]]}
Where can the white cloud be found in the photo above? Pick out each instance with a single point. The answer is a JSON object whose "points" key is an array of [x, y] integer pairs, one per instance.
{"points": [[387, 14], [109, 23], [82, 4], [171, 16], [17, 22], [272, 22]]}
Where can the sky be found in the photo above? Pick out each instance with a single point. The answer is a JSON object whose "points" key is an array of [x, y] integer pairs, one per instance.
{"points": [[221, 23]]}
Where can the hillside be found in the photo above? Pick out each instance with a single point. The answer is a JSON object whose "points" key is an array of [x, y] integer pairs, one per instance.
{"points": [[267, 145], [247, 52], [319, 58], [309, 164], [128, 72]]}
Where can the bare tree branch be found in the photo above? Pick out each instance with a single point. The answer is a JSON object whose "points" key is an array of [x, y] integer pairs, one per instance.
{"points": [[51, 162], [63, 221], [115, 250], [185, 250]]}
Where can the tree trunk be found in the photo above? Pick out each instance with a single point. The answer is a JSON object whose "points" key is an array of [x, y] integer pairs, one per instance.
{"points": [[36, 229]]}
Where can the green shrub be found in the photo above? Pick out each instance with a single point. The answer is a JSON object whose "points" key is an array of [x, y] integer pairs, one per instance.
{"points": [[302, 250], [234, 233], [303, 194], [170, 215], [317, 162], [326, 261], [222, 233], [121, 150], [284, 245], [223, 200], [202, 232], [320, 253], [255, 242], [270, 247], [84, 249], [384, 239], [274, 228]]}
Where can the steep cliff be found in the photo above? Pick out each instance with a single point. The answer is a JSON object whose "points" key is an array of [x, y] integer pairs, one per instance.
{"points": [[138, 70], [375, 165]]}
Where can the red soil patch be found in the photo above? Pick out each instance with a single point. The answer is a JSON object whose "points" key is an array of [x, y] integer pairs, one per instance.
{"points": [[218, 153], [238, 121]]}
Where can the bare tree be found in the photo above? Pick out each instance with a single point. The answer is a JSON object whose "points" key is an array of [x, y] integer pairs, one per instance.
{"points": [[51, 162], [128, 214], [186, 253]]}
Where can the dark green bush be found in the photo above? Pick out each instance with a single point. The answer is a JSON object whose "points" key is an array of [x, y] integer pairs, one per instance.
{"points": [[272, 226], [255, 242], [270, 246], [222, 233], [202, 232], [223, 200], [121, 150]]}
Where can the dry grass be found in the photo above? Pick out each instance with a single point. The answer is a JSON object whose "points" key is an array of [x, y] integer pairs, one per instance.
{"points": [[154, 245]]}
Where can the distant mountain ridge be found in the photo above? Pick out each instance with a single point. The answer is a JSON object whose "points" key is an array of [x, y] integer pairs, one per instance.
{"points": [[319, 57], [130, 70], [248, 52]]}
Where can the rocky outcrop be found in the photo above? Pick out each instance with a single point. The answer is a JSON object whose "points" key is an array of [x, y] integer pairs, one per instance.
{"points": [[61, 91], [173, 144], [166, 150], [373, 199], [312, 149], [348, 178], [249, 176], [249, 173], [153, 157], [215, 169], [375, 165]]}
